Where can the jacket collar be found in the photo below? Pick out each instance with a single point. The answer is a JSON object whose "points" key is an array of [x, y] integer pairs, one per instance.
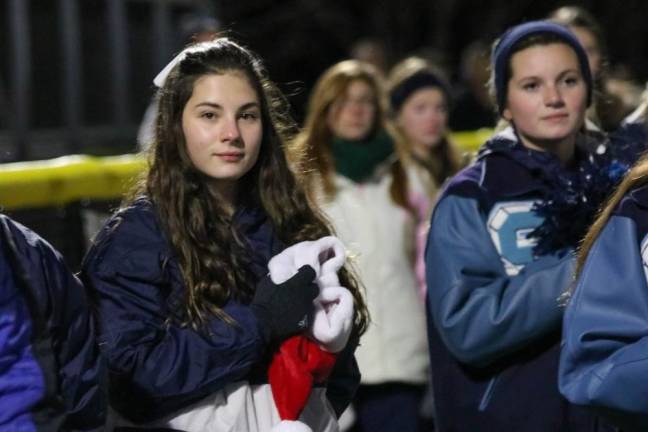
{"points": [[511, 169], [253, 223]]}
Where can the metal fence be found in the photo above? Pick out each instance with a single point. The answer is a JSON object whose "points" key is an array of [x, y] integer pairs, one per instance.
{"points": [[77, 73]]}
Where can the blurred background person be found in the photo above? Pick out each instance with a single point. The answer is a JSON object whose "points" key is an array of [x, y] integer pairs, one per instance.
{"points": [[615, 93], [370, 50], [419, 104], [352, 171], [472, 106]]}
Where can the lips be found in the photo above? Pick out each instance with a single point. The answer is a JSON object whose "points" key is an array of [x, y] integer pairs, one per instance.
{"points": [[555, 117], [230, 156], [357, 125]]}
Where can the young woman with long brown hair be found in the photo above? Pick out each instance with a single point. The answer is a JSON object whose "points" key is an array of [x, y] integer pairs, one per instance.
{"points": [[188, 317]]}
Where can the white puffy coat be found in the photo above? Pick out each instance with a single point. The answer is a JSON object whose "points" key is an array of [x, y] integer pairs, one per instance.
{"points": [[380, 236]]}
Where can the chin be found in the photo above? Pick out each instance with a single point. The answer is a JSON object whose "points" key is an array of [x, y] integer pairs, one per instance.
{"points": [[226, 175], [555, 134], [559, 136], [356, 136], [433, 143]]}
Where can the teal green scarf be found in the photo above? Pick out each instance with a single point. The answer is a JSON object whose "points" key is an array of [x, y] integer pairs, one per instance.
{"points": [[357, 160]]}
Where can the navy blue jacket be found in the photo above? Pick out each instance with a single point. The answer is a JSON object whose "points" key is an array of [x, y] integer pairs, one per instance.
{"points": [[493, 314], [51, 374], [604, 361], [155, 366]]}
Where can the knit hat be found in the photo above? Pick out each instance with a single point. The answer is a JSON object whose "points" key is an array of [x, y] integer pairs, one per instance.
{"points": [[419, 80], [503, 50]]}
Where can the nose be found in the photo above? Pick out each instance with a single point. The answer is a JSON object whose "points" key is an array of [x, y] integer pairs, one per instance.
{"points": [[553, 96], [230, 131], [437, 115], [359, 106], [355, 109]]}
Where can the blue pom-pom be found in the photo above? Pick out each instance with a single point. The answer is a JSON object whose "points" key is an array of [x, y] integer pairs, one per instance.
{"points": [[571, 197]]}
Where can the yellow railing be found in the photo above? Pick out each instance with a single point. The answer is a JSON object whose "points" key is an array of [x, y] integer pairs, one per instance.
{"points": [[75, 178], [470, 141], [66, 179]]}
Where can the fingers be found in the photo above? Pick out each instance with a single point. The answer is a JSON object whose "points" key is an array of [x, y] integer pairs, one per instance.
{"points": [[305, 276], [312, 291]]}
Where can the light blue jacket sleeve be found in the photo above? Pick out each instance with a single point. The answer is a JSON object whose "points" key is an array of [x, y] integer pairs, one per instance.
{"points": [[604, 361], [481, 312]]}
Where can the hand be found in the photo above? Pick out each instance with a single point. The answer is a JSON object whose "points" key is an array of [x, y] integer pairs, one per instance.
{"points": [[333, 318], [284, 309], [326, 256]]}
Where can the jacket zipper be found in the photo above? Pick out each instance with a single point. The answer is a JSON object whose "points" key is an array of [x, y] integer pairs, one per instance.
{"points": [[485, 400]]}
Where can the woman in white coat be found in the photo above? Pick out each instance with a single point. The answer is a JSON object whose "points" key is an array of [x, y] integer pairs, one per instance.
{"points": [[354, 175]]}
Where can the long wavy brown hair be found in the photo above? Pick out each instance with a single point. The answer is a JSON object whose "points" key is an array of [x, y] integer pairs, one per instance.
{"points": [[311, 150], [211, 253], [445, 159]]}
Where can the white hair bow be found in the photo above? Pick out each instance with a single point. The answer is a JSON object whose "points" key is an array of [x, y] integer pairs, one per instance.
{"points": [[161, 77]]}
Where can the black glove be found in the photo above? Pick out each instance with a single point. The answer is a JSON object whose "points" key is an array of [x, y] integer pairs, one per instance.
{"points": [[284, 309]]}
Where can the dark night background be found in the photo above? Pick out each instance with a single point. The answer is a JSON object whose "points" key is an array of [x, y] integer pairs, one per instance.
{"points": [[297, 38]]}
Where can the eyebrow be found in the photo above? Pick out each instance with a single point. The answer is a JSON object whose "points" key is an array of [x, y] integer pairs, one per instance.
{"points": [[218, 106], [560, 75], [568, 71]]}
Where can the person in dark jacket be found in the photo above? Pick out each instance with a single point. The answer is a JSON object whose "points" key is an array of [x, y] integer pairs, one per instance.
{"points": [[498, 264], [51, 373], [189, 318]]}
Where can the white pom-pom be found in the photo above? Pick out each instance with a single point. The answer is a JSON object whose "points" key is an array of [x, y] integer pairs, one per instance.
{"points": [[291, 426]]}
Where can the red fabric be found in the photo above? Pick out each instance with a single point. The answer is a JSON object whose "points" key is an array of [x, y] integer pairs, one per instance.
{"points": [[297, 364]]}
